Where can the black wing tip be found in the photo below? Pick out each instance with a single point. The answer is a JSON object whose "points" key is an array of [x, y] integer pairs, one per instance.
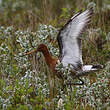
{"points": [[98, 66], [91, 10]]}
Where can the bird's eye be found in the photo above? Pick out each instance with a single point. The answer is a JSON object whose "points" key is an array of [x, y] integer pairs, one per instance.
{"points": [[40, 48]]}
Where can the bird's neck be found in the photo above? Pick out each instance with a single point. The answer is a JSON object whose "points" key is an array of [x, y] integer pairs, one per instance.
{"points": [[47, 55], [51, 62]]}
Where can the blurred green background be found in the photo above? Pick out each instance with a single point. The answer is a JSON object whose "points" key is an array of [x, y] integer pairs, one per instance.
{"points": [[29, 13]]}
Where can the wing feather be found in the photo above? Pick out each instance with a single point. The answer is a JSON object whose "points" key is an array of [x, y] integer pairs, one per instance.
{"points": [[69, 39]]}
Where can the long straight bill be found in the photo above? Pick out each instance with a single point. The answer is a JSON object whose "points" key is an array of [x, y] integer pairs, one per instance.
{"points": [[33, 51]]}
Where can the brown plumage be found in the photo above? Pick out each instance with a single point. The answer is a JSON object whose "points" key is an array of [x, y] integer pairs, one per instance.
{"points": [[50, 60]]}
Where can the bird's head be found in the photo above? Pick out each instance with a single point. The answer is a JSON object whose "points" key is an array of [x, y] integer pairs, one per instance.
{"points": [[41, 48]]}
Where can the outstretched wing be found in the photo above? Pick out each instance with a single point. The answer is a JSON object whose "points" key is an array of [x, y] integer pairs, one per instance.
{"points": [[69, 39]]}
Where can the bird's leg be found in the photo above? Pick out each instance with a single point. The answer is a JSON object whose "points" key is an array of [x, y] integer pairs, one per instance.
{"points": [[82, 82]]}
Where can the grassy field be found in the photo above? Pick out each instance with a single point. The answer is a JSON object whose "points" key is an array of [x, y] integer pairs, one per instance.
{"points": [[24, 83]]}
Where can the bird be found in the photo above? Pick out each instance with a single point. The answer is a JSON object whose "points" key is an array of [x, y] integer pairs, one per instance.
{"points": [[70, 47]]}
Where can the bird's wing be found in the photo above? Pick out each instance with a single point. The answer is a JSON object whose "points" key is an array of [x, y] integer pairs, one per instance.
{"points": [[69, 39]]}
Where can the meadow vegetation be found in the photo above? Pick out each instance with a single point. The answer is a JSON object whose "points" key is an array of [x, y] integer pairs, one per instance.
{"points": [[24, 24]]}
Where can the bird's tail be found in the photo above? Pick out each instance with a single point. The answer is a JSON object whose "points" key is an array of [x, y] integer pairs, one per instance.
{"points": [[88, 68]]}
